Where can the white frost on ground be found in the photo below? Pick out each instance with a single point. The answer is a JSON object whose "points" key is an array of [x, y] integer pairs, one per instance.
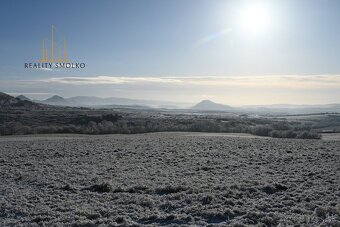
{"points": [[168, 179]]}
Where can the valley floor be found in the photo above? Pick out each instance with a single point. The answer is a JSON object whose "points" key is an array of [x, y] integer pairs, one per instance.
{"points": [[168, 179]]}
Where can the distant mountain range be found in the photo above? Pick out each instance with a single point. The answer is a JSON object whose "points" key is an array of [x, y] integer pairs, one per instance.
{"points": [[292, 109], [92, 101], [9, 101], [205, 105]]}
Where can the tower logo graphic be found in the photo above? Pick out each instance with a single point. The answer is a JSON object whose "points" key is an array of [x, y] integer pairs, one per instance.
{"points": [[54, 49], [54, 54]]}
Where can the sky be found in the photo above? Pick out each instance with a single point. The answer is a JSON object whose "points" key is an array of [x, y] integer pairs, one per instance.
{"points": [[237, 52]]}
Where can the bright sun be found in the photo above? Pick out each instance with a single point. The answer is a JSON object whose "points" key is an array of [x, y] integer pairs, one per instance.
{"points": [[254, 19]]}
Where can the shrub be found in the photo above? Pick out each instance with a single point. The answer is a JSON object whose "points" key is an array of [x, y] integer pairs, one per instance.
{"points": [[290, 134], [281, 125], [261, 130], [275, 134], [309, 135], [283, 134]]}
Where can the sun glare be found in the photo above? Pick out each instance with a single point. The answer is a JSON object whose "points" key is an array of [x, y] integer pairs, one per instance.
{"points": [[254, 19]]}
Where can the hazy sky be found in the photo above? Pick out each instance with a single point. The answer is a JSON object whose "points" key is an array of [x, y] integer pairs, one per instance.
{"points": [[234, 52]]}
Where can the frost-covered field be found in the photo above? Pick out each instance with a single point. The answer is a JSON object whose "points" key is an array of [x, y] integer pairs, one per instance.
{"points": [[168, 179]]}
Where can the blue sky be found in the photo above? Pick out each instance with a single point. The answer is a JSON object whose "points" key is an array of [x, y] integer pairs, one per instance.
{"points": [[170, 38]]}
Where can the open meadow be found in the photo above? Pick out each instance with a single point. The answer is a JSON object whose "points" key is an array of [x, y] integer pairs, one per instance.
{"points": [[172, 178]]}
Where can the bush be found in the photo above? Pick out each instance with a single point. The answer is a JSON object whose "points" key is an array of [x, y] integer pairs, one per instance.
{"points": [[281, 125], [283, 134], [290, 134], [293, 134], [309, 135], [261, 130]]}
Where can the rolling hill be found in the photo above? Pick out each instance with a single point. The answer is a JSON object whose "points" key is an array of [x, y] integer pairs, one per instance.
{"points": [[7, 101], [208, 105]]}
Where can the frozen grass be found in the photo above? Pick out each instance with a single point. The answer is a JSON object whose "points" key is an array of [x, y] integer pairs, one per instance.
{"points": [[168, 179]]}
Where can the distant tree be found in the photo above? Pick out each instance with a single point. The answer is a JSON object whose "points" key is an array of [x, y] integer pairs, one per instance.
{"points": [[261, 130]]}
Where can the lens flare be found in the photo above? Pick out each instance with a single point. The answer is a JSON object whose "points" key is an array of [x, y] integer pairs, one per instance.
{"points": [[213, 36]]}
